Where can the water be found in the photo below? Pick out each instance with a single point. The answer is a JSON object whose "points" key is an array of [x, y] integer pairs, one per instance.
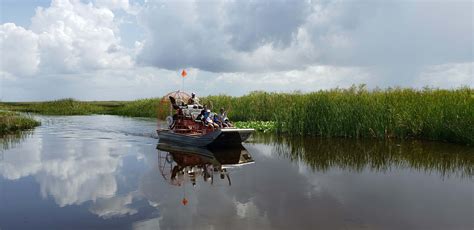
{"points": [[91, 172]]}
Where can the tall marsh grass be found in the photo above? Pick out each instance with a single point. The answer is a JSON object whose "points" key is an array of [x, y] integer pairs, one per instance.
{"points": [[428, 114], [13, 122], [66, 106], [434, 114], [140, 108]]}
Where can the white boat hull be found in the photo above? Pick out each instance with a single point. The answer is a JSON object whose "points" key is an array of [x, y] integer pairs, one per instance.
{"points": [[222, 137]]}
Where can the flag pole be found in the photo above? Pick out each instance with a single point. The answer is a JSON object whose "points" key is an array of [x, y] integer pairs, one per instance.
{"points": [[183, 75]]}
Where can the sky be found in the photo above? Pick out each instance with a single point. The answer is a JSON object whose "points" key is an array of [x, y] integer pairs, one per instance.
{"points": [[125, 50]]}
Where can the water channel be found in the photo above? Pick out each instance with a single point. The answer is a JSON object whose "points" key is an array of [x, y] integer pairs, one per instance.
{"points": [[108, 172]]}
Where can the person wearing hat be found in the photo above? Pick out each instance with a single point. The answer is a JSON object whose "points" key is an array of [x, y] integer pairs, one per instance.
{"points": [[193, 100]]}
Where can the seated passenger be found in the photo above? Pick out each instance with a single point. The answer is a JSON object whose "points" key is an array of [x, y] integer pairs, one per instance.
{"points": [[227, 123], [224, 121], [208, 119], [215, 119], [207, 112], [200, 117], [193, 100], [210, 123]]}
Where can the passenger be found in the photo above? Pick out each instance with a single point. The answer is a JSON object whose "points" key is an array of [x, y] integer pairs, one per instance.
{"points": [[216, 120], [200, 117], [193, 100], [227, 123], [210, 122], [223, 118], [204, 109]]}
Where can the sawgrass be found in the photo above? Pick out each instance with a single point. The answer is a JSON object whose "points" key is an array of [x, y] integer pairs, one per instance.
{"points": [[446, 115], [59, 107], [14, 122], [433, 114], [139, 108]]}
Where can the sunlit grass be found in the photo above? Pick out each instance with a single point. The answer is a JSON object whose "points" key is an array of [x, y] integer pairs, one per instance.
{"points": [[13, 122], [434, 114], [60, 107]]}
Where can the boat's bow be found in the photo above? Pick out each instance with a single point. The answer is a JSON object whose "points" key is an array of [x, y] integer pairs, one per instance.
{"points": [[232, 136], [221, 137]]}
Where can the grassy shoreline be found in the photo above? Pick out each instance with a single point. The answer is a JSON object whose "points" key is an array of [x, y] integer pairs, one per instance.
{"points": [[432, 114], [14, 122]]}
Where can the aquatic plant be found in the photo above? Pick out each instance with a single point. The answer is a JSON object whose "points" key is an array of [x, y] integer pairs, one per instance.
{"points": [[262, 126], [66, 106], [446, 115], [13, 122], [139, 108], [433, 114]]}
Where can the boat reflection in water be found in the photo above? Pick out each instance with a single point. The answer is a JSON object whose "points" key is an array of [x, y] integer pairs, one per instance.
{"points": [[181, 164]]}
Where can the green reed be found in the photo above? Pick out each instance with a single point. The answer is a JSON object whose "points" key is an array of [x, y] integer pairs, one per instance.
{"points": [[434, 114], [13, 122], [403, 113], [59, 107], [139, 108]]}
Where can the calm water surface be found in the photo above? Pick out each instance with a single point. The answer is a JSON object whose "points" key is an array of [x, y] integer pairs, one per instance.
{"points": [[105, 172]]}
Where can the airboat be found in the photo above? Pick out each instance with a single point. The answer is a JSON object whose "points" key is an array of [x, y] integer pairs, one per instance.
{"points": [[179, 164], [186, 127]]}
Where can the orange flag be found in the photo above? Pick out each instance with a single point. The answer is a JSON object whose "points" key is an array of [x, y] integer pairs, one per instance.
{"points": [[184, 74]]}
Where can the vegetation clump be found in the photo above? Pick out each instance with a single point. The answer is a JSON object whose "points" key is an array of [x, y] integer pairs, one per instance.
{"points": [[262, 126], [14, 122]]}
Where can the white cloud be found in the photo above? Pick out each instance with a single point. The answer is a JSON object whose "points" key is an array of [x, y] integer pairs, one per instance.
{"points": [[113, 207], [67, 37], [21, 164], [449, 75], [227, 36], [113, 4], [19, 50], [309, 79], [266, 45], [395, 38], [70, 177]]}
